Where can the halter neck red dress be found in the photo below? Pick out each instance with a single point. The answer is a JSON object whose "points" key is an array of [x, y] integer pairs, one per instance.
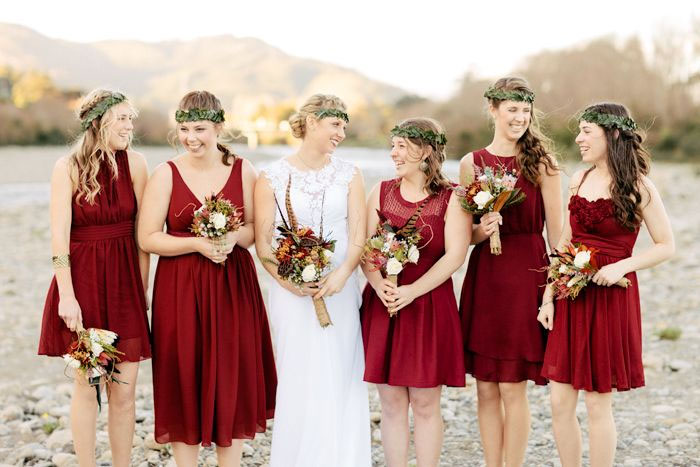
{"points": [[214, 376], [503, 341], [104, 269], [422, 345], [596, 342]]}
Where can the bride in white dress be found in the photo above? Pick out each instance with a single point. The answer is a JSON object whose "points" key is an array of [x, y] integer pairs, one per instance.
{"points": [[322, 410]]}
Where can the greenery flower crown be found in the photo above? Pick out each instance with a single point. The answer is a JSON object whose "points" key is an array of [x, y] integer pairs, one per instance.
{"points": [[429, 136], [337, 113], [608, 120], [503, 95], [100, 109], [194, 115]]}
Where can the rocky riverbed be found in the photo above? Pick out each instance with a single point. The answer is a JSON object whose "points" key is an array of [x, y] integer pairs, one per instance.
{"points": [[657, 425]]}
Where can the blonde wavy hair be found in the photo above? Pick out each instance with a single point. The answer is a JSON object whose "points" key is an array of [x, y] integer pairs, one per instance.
{"points": [[93, 145], [435, 179], [297, 121]]}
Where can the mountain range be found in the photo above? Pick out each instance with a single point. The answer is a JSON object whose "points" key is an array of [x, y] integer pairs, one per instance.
{"points": [[243, 72]]}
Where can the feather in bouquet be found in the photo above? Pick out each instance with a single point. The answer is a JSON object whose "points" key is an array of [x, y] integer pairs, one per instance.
{"points": [[390, 248], [572, 269], [492, 189], [94, 355], [301, 256], [215, 218]]}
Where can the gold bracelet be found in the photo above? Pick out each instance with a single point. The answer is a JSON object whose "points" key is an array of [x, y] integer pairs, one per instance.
{"points": [[539, 308], [60, 261]]}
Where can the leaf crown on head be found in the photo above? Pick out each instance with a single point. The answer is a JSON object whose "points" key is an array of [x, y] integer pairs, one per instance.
{"points": [[514, 95], [337, 113], [429, 136], [100, 109], [194, 115], [608, 120]]}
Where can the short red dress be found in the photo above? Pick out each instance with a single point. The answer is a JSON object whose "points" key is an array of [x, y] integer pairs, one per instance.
{"points": [[596, 342], [104, 269], [422, 345], [503, 341], [214, 375]]}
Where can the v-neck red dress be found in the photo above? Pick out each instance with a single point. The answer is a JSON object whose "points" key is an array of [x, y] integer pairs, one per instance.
{"points": [[214, 375]]}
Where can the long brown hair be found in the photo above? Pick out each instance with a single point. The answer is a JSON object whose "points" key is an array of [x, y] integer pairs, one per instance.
{"points": [[628, 161], [435, 180], [534, 148], [206, 101], [93, 145]]}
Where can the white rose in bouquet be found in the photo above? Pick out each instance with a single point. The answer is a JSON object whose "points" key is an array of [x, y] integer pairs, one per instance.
{"points": [[71, 362], [582, 258], [309, 273], [413, 254], [393, 267], [482, 198], [328, 254], [218, 220], [563, 269]]}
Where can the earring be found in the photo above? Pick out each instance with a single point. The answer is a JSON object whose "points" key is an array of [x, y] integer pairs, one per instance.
{"points": [[423, 166]]}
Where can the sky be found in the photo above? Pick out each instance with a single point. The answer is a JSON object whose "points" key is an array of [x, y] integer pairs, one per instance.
{"points": [[424, 47]]}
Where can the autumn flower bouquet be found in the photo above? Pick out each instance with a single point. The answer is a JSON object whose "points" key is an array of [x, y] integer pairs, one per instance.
{"points": [[301, 256], [492, 189], [572, 269], [216, 217], [390, 248], [94, 355]]}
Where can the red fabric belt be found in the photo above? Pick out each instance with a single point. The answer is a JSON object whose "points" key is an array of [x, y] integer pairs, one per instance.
{"points": [[89, 233]]}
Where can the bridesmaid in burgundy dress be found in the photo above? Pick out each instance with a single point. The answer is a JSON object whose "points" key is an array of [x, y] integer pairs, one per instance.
{"points": [[214, 376], [595, 343], [101, 275], [503, 344], [411, 355]]}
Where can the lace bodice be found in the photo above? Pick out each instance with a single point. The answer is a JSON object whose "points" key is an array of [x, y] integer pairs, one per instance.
{"points": [[316, 195]]}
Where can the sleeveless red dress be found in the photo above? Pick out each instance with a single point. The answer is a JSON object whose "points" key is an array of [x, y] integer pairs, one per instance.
{"points": [[104, 268], [422, 345], [503, 341], [596, 342], [214, 375]]}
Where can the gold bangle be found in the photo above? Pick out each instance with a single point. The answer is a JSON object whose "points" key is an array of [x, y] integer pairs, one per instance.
{"points": [[60, 261]]}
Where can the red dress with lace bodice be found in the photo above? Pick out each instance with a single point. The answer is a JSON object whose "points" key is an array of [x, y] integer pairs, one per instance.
{"points": [[104, 269], [596, 342], [422, 345], [214, 376], [503, 341]]}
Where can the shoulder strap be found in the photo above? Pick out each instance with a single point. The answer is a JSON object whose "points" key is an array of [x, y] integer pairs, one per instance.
{"points": [[585, 174]]}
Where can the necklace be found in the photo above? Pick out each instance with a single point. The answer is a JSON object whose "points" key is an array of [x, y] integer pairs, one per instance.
{"points": [[325, 162]]}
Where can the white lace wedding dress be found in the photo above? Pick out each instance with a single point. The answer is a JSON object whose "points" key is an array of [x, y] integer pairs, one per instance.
{"points": [[322, 410]]}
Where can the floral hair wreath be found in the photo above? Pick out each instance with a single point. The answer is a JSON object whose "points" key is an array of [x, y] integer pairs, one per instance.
{"points": [[608, 120], [515, 95], [337, 113], [194, 115], [100, 109], [429, 136]]}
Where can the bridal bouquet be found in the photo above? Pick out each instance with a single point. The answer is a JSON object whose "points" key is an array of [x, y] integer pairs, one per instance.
{"points": [[572, 269], [301, 255], [492, 190], [215, 218], [94, 355], [390, 248]]}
